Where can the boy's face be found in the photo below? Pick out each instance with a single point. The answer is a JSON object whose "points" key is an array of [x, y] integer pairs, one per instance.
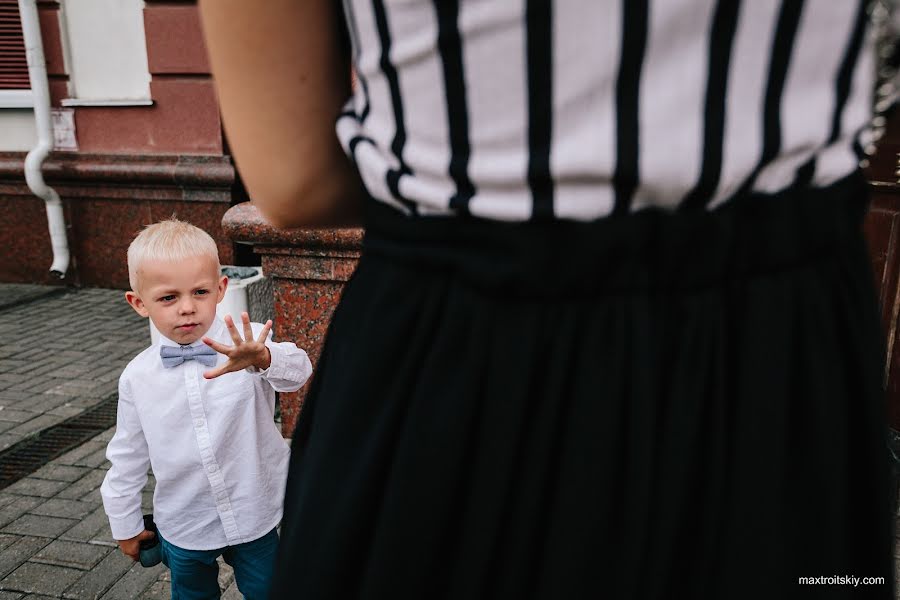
{"points": [[179, 297]]}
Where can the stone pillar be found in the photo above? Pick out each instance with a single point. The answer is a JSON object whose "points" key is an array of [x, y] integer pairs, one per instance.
{"points": [[308, 268]]}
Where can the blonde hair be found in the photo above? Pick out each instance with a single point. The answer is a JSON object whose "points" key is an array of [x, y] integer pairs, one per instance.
{"points": [[170, 240]]}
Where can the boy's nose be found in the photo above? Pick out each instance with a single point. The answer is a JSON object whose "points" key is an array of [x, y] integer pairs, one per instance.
{"points": [[186, 306]]}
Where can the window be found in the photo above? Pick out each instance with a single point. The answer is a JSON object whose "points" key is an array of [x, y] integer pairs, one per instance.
{"points": [[106, 52]]}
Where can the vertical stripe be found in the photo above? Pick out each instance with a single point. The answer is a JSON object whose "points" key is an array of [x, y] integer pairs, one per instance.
{"points": [[539, 42], [392, 177], [841, 92], [353, 28], [635, 14], [671, 100], [496, 91], [721, 40], [582, 158], [785, 33], [845, 74], [450, 48]]}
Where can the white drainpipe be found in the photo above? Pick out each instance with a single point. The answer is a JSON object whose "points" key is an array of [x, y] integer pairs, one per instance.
{"points": [[40, 90]]}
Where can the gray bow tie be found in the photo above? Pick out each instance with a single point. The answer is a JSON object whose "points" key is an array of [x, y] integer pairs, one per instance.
{"points": [[172, 356]]}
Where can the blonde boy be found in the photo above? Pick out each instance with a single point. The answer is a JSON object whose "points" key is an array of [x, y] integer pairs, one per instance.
{"points": [[198, 408]]}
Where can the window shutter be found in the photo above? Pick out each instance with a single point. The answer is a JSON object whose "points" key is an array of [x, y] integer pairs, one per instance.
{"points": [[13, 63]]}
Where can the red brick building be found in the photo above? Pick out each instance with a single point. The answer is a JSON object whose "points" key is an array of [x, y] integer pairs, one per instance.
{"points": [[137, 134]]}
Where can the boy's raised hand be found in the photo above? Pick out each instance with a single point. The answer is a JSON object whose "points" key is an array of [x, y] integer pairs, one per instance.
{"points": [[246, 351], [132, 546]]}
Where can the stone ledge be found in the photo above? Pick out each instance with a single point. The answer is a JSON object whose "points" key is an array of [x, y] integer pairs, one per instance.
{"points": [[243, 223], [202, 178]]}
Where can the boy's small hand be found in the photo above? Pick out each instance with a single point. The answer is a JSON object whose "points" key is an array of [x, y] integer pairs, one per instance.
{"points": [[132, 547], [246, 351]]}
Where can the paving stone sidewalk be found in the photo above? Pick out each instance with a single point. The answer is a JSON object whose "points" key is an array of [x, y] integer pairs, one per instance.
{"points": [[55, 540], [61, 353]]}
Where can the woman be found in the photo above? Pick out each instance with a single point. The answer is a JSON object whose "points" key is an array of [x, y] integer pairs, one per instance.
{"points": [[613, 332]]}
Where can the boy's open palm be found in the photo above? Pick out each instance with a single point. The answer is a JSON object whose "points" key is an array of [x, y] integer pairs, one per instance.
{"points": [[246, 351]]}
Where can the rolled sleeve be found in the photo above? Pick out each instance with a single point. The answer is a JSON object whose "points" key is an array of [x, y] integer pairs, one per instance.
{"points": [[289, 368]]}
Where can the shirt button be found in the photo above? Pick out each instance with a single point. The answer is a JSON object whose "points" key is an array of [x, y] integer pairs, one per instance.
{"points": [[211, 468], [198, 422]]}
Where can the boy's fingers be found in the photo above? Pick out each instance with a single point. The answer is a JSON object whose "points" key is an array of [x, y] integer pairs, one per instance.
{"points": [[220, 348], [235, 336], [265, 332], [217, 372], [248, 331]]}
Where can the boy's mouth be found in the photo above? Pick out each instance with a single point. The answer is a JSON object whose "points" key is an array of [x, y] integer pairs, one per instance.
{"points": [[187, 326]]}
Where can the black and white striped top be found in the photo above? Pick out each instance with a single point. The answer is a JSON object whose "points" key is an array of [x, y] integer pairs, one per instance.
{"points": [[580, 109]]}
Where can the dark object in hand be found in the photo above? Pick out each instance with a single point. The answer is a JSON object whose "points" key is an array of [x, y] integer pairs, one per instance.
{"points": [[151, 550]]}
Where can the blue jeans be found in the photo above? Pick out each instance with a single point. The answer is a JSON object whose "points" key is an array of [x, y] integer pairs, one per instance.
{"points": [[195, 573]]}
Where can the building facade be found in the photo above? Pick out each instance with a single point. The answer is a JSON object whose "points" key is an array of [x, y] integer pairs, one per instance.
{"points": [[137, 134]]}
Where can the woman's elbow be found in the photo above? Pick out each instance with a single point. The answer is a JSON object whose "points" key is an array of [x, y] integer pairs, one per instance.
{"points": [[331, 203]]}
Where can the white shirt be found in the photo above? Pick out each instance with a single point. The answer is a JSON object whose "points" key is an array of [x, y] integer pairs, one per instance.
{"points": [[219, 460]]}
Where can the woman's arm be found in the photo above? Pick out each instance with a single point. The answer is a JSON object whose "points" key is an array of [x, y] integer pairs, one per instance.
{"points": [[282, 72]]}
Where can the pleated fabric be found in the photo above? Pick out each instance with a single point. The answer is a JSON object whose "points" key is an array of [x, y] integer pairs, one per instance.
{"points": [[657, 406]]}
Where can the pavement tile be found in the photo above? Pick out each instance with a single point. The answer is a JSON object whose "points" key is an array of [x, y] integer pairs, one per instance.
{"points": [[88, 528], [77, 555], [17, 508], [61, 507], [85, 488], [7, 540], [34, 387], [98, 580], [11, 596], [94, 459], [16, 416], [37, 578], [161, 590], [16, 554], [134, 583], [91, 399], [34, 425], [39, 526], [66, 411], [104, 536], [9, 439], [76, 454], [41, 403], [32, 486], [232, 593], [7, 425], [56, 472], [106, 436]]}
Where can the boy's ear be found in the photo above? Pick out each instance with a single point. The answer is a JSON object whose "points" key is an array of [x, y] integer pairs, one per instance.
{"points": [[220, 288], [136, 303]]}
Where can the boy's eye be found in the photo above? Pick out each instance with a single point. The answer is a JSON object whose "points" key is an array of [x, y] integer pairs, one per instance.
{"points": [[201, 292], [168, 298]]}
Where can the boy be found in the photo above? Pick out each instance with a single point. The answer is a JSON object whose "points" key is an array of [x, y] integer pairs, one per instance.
{"points": [[198, 407]]}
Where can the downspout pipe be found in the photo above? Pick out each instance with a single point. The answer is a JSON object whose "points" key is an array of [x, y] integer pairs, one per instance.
{"points": [[34, 177]]}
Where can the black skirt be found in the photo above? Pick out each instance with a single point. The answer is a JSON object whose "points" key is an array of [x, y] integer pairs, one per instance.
{"points": [[655, 406]]}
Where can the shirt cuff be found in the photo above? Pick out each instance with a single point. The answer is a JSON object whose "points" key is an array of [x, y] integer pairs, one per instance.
{"points": [[126, 528], [276, 364]]}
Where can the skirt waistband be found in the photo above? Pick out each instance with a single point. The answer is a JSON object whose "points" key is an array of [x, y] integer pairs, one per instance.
{"points": [[651, 250]]}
